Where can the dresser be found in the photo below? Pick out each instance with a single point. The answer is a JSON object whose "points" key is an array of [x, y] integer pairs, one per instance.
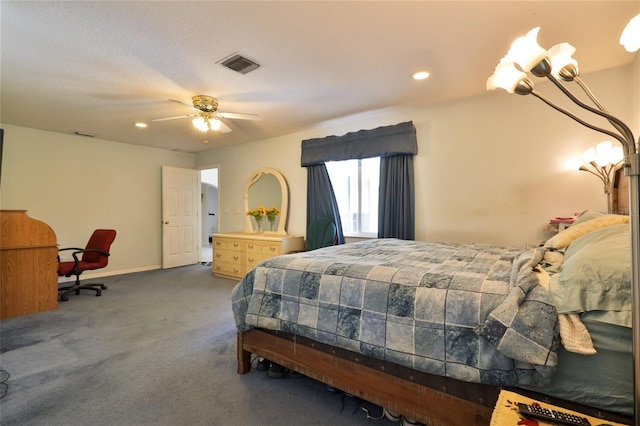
{"points": [[236, 253]]}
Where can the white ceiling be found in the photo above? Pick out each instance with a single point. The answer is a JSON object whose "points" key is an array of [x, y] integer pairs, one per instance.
{"points": [[96, 67]]}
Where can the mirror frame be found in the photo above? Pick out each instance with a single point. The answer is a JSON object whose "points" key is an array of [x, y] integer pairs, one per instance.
{"points": [[284, 204]]}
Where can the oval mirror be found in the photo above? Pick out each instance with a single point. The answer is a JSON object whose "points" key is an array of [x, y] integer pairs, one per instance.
{"points": [[268, 188]]}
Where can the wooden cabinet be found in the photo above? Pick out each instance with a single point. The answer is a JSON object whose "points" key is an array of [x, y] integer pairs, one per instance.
{"points": [[236, 253], [28, 265]]}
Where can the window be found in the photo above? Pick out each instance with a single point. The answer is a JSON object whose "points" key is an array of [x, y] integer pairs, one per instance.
{"points": [[355, 184]]}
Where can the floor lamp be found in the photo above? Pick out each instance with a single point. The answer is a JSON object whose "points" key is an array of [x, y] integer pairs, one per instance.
{"points": [[556, 64], [602, 162]]}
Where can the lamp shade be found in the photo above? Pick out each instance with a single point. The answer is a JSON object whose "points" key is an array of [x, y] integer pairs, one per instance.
{"points": [[573, 164], [506, 76], [616, 155], [630, 37], [200, 124], [590, 155], [603, 153], [214, 124], [526, 52], [560, 56]]}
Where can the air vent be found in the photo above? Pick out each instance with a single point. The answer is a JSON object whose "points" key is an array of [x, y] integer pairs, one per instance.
{"points": [[240, 64]]}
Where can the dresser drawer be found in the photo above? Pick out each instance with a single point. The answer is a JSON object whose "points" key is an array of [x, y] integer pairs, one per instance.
{"points": [[227, 244], [229, 269], [267, 248], [227, 256], [253, 259]]}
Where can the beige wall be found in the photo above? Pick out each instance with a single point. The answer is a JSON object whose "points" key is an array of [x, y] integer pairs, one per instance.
{"points": [[489, 168], [77, 184]]}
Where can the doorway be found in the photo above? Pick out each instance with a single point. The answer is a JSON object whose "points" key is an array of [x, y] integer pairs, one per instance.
{"points": [[209, 211]]}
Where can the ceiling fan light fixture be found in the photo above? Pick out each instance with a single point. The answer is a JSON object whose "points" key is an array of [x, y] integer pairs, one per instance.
{"points": [[200, 124], [205, 115], [214, 124], [205, 103]]}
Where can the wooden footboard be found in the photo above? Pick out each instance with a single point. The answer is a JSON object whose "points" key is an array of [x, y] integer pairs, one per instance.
{"points": [[405, 396]]}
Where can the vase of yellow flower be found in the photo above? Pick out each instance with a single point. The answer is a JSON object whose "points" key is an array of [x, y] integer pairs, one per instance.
{"points": [[258, 214], [272, 215]]}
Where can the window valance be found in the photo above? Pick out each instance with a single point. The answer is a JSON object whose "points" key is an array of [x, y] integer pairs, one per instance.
{"points": [[398, 139]]}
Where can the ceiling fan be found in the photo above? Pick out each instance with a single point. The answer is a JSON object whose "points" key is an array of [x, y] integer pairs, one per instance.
{"points": [[206, 114]]}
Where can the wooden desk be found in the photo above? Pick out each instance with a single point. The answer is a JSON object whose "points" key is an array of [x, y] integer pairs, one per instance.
{"points": [[28, 265]]}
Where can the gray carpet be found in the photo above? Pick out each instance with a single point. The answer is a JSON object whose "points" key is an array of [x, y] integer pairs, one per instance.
{"points": [[157, 348]]}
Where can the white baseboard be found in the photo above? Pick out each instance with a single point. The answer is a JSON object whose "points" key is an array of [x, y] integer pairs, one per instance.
{"points": [[100, 274]]}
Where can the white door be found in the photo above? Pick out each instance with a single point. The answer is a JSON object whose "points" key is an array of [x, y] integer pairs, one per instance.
{"points": [[180, 217]]}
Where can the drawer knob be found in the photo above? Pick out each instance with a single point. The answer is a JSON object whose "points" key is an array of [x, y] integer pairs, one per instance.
{"points": [[218, 254], [251, 259], [250, 246], [236, 244], [218, 243], [272, 248], [236, 257]]}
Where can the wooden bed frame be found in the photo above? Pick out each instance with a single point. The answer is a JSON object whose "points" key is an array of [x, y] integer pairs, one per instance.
{"points": [[619, 192], [430, 399]]}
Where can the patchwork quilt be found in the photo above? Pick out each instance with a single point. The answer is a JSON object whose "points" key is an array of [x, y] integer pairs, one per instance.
{"points": [[473, 312]]}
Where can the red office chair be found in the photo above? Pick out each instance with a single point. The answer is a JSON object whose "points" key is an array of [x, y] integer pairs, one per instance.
{"points": [[94, 256]]}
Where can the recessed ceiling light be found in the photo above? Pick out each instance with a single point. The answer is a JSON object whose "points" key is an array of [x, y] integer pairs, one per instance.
{"points": [[140, 124], [420, 75]]}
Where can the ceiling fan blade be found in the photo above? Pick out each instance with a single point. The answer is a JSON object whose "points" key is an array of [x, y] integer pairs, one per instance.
{"points": [[182, 103], [173, 118], [239, 116], [224, 128]]}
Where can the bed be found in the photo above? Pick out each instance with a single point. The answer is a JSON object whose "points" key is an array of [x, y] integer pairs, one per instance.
{"points": [[434, 330]]}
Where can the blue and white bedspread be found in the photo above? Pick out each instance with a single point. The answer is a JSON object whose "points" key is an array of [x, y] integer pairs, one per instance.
{"points": [[472, 312]]}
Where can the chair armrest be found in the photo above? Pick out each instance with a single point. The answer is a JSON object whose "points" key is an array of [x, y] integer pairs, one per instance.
{"points": [[80, 250], [69, 248]]}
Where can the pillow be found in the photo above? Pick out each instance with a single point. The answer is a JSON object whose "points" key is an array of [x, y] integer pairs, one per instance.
{"points": [[564, 238], [596, 273], [588, 215]]}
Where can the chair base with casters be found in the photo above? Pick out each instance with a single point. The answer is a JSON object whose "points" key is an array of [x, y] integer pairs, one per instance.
{"points": [[77, 287], [94, 256]]}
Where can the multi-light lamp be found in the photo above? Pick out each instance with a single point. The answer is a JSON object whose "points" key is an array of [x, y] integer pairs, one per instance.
{"points": [[526, 57]]}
